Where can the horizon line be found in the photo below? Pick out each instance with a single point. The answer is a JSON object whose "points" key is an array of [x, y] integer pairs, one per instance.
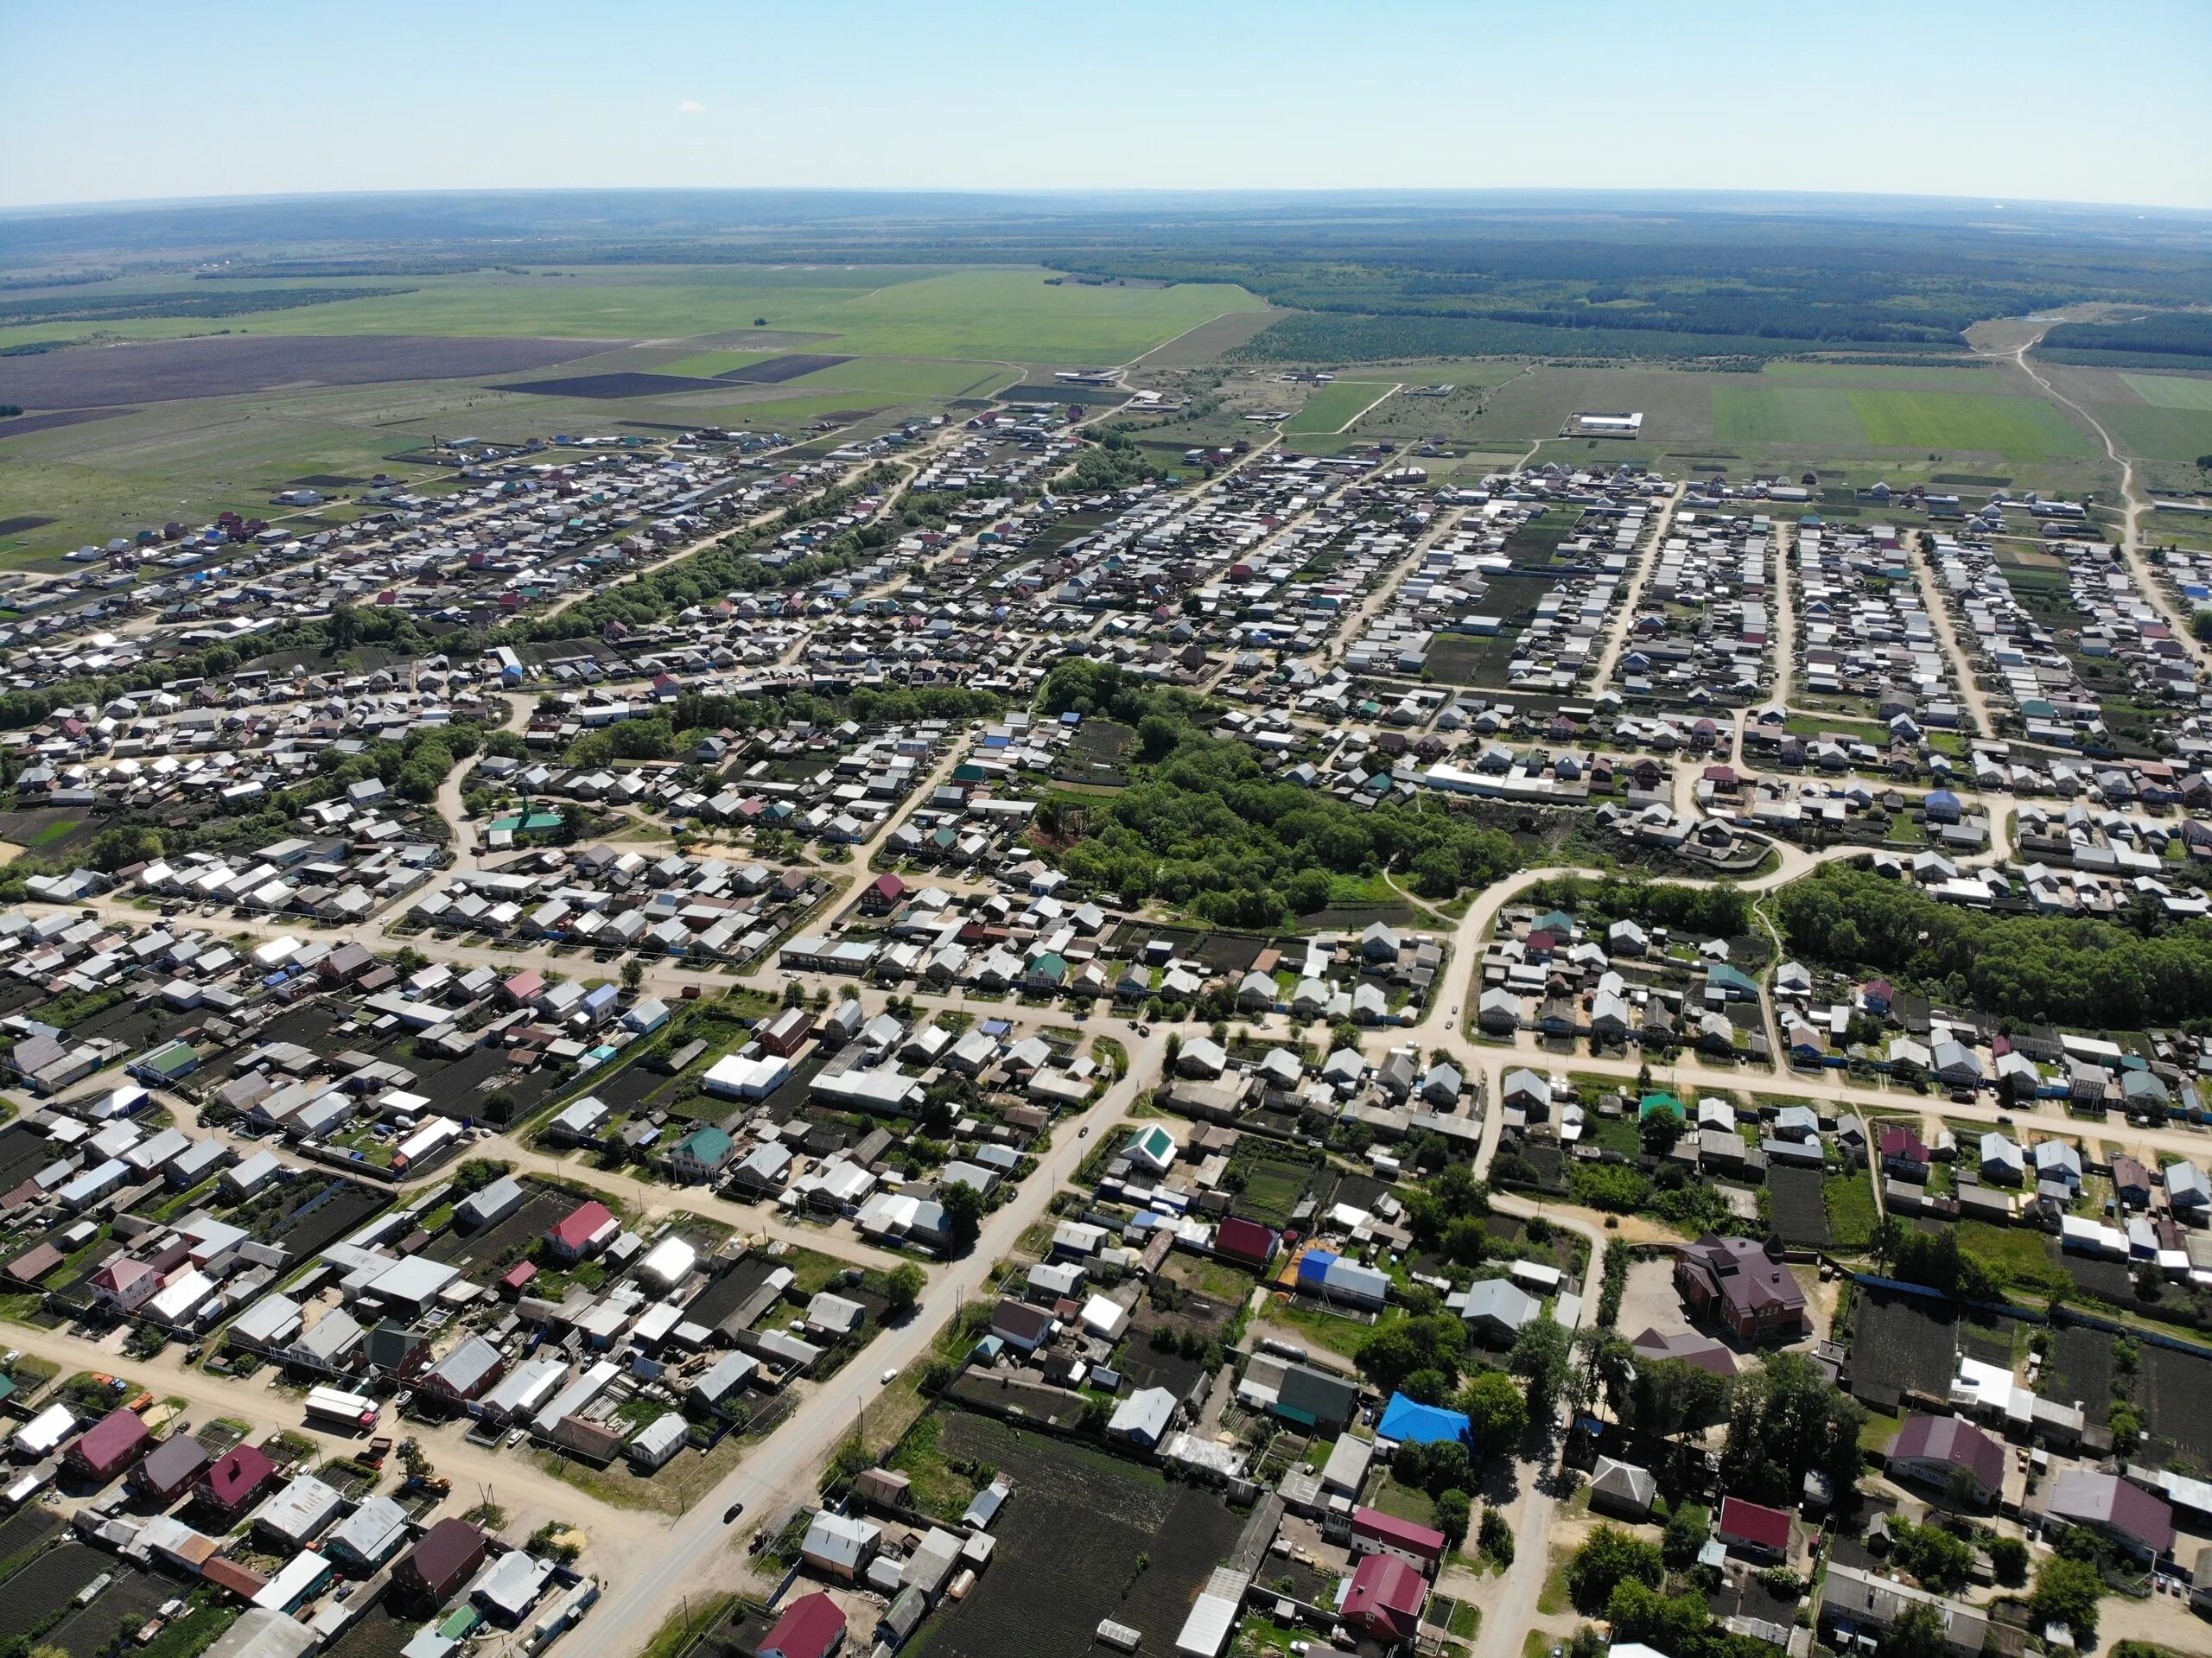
{"points": [[1985, 203]]}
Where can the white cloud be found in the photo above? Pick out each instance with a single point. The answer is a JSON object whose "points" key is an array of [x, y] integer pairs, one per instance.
{"points": [[690, 106]]}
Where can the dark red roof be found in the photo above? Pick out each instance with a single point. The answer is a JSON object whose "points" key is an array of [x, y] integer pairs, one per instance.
{"points": [[1902, 1142], [1755, 1524], [1386, 1597], [1399, 1533], [449, 1551], [116, 1439], [1247, 1240], [237, 1475], [809, 1627]]}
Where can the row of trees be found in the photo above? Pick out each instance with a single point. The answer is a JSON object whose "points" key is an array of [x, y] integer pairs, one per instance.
{"points": [[2028, 966]]}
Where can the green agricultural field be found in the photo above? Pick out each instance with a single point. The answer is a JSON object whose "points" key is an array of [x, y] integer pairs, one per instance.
{"points": [[1968, 377], [2020, 426], [699, 365], [1335, 404], [912, 377], [1677, 407], [1860, 417], [194, 458], [992, 314], [2160, 434], [2172, 390], [1786, 414]]}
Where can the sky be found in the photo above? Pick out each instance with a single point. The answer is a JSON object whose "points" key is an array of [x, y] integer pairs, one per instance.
{"points": [[119, 100]]}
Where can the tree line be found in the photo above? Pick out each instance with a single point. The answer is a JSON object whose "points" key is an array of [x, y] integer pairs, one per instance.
{"points": [[2150, 970]]}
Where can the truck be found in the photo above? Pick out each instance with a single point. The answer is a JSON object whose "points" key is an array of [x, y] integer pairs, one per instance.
{"points": [[348, 1410]]}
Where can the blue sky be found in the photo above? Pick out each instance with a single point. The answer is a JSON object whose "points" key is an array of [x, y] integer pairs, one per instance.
{"points": [[114, 100]]}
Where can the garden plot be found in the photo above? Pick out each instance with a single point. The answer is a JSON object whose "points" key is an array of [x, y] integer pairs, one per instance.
{"points": [[319, 1217], [1800, 1205], [509, 1239], [47, 1584], [1902, 1344], [1080, 1541], [2174, 1390], [2079, 1366], [1274, 1181], [127, 1602]]}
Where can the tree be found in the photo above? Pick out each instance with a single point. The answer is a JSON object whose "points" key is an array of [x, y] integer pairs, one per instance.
{"points": [[1495, 1411], [1453, 1512], [1940, 1560], [1609, 1363], [1888, 1237], [963, 1213], [1395, 1351], [902, 1288], [343, 629], [2066, 1592], [1785, 1421], [1915, 1632], [1540, 1357], [2008, 1557], [634, 974], [1466, 1241], [1641, 1614], [1607, 1558], [1686, 1530], [1659, 1131], [1495, 1537]]}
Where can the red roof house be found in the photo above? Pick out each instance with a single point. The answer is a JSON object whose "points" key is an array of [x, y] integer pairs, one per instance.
{"points": [[811, 1627], [1246, 1241], [1753, 1529], [588, 1228], [882, 895], [1374, 1532], [526, 985], [111, 1445], [447, 1557], [1386, 1599], [236, 1479], [1941, 1450]]}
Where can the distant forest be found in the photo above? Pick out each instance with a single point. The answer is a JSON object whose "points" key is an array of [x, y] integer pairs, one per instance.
{"points": [[1371, 276], [2168, 334]]}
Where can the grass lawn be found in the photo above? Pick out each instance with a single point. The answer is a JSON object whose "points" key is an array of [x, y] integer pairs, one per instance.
{"points": [[938, 1487], [1406, 1501], [1215, 1278], [1339, 1335], [1553, 1599], [2016, 1252], [1880, 1428], [1852, 1215]]}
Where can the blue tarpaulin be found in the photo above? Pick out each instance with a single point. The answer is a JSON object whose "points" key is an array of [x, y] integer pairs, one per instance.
{"points": [[1412, 1423]]}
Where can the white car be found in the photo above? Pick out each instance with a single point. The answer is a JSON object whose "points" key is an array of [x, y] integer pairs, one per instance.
{"points": [[890, 1376]]}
